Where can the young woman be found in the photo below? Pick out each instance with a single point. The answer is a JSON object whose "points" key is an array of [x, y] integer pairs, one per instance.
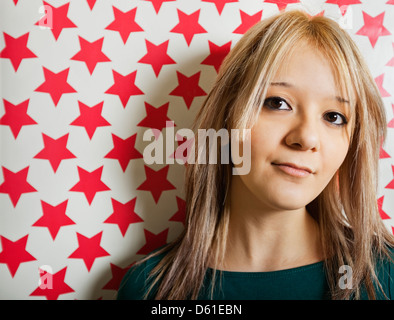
{"points": [[304, 222]]}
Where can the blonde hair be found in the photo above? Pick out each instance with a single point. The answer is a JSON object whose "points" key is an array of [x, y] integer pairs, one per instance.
{"points": [[351, 229]]}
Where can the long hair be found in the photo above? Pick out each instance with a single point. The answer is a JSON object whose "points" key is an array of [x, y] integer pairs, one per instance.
{"points": [[351, 229]]}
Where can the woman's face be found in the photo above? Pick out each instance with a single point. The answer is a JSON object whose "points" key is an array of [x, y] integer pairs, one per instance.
{"points": [[302, 134]]}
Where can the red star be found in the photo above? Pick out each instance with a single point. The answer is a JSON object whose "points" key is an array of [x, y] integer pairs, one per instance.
{"points": [[89, 249], [15, 184], [54, 218], [55, 151], [390, 2], [343, 4], [14, 253], [157, 56], [156, 182], [180, 215], [282, 4], [16, 50], [247, 21], [55, 84], [188, 88], [220, 4], [188, 25], [373, 28], [383, 154], [58, 286], [59, 19], [91, 53], [391, 122], [124, 215], [383, 214], [16, 117], [391, 184], [90, 183], [379, 82], [117, 276], [124, 23], [156, 118], [90, 118], [124, 151], [153, 241], [217, 54], [158, 3], [91, 3], [16, 2], [124, 87]]}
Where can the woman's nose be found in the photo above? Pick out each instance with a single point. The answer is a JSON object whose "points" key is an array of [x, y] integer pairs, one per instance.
{"points": [[304, 135]]}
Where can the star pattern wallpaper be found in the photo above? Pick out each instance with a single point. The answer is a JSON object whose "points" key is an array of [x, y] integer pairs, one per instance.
{"points": [[81, 82]]}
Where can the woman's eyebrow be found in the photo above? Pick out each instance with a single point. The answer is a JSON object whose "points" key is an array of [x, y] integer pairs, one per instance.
{"points": [[341, 100], [289, 85], [281, 83]]}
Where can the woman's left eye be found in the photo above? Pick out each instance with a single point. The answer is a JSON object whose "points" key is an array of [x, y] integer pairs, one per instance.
{"points": [[335, 118]]}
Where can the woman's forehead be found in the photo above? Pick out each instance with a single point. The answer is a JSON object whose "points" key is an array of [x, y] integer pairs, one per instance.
{"points": [[306, 67]]}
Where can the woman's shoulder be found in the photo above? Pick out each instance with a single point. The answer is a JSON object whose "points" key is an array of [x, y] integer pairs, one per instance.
{"points": [[134, 284]]}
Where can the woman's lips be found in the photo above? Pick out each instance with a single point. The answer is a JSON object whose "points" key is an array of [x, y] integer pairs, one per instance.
{"points": [[293, 170]]}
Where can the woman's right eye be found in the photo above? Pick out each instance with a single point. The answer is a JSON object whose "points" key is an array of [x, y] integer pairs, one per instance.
{"points": [[276, 103]]}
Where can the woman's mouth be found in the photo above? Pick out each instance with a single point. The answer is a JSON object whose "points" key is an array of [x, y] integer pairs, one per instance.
{"points": [[294, 170]]}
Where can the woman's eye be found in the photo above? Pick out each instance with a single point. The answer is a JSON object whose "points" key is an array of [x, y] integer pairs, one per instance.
{"points": [[276, 103], [335, 118]]}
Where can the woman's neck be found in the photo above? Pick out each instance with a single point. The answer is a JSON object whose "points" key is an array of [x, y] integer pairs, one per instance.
{"points": [[267, 239]]}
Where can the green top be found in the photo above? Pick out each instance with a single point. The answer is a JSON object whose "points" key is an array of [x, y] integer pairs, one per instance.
{"points": [[301, 283]]}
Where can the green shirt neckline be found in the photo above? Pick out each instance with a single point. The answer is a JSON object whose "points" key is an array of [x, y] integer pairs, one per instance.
{"points": [[267, 274]]}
